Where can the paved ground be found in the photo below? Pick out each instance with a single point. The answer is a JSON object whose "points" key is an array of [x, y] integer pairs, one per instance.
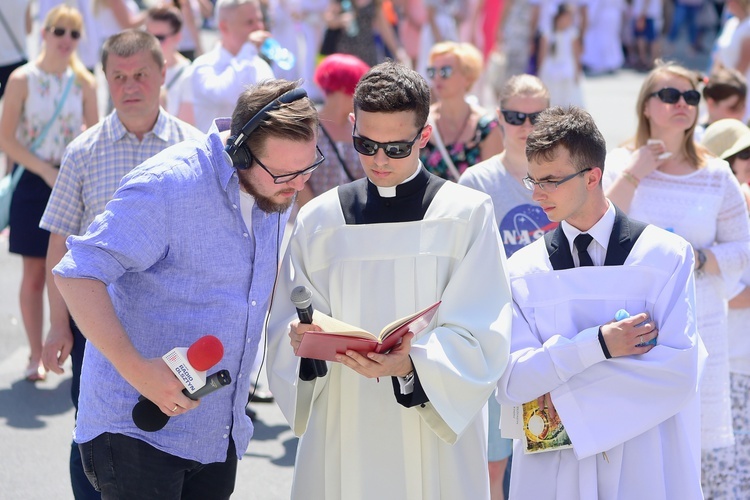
{"points": [[36, 419]]}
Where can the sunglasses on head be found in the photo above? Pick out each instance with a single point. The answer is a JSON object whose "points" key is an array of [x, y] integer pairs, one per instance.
{"points": [[395, 150], [443, 71], [671, 95], [60, 32], [517, 118]]}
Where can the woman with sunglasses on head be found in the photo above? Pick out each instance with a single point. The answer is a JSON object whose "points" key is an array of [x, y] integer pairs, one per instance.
{"points": [[32, 97], [729, 139], [463, 134], [518, 216], [664, 178]]}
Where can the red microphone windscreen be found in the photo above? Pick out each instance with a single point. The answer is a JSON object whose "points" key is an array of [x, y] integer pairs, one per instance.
{"points": [[205, 353]]}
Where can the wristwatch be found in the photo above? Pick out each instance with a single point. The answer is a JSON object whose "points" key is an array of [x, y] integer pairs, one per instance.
{"points": [[408, 377], [701, 259]]}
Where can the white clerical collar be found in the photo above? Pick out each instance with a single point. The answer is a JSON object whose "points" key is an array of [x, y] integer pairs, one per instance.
{"points": [[390, 192], [601, 231]]}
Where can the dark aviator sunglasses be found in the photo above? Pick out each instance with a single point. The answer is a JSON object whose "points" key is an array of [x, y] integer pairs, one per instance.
{"points": [[671, 95], [395, 150], [517, 118], [60, 32]]}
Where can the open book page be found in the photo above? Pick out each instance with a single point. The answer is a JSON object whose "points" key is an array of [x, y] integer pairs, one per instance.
{"points": [[416, 322], [539, 431], [332, 325], [338, 337]]}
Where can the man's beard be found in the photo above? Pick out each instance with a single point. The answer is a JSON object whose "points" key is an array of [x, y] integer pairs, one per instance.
{"points": [[265, 203]]}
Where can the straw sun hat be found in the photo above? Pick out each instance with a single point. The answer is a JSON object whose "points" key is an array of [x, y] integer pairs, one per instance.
{"points": [[727, 137]]}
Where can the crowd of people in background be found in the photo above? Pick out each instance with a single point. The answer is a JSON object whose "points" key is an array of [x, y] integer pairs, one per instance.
{"points": [[493, 67]]}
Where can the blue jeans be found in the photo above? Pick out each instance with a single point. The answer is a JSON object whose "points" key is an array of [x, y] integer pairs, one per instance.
{"points": [[122, 467], [684, 14]]}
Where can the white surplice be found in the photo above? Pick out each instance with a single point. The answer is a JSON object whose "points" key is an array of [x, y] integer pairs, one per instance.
{"points": [[357, 441], [634, 421]]}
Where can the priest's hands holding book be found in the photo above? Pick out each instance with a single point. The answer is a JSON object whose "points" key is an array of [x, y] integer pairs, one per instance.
{"points": [[395, 363], [629, 336]]}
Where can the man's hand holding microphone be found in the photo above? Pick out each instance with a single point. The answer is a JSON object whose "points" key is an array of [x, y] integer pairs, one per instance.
{"points": [[186, 383]]}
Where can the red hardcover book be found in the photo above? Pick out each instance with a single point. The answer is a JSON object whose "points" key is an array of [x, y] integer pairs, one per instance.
{"points": [[338, 337]]}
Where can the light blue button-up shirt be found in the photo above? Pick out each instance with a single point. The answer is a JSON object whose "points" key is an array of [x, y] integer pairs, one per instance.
{"points": [[179, 263]]}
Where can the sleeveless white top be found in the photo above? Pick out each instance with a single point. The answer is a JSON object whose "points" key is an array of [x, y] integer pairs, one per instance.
{"points": [[45, 91]]}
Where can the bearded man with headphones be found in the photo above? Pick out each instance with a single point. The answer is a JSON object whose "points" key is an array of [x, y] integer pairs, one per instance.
{"points": [[188, 246]]}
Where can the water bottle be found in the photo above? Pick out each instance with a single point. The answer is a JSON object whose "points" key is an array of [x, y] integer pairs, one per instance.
{"points": [[283, 57], [352, 29]]}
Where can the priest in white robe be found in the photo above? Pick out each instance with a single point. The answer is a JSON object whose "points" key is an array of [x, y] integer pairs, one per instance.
{"points": [[408, 424], [631, 409]]}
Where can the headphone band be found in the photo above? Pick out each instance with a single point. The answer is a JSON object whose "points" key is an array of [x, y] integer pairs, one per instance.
{"points": [[236, 156]]}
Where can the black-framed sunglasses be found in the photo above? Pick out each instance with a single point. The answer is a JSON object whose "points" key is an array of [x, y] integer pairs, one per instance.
{"points": [[284, 178], [60, 32], [444, 72], [161, 38], [550, 186], [395, 150], [671, 95], [744, 154], [517, 118]]}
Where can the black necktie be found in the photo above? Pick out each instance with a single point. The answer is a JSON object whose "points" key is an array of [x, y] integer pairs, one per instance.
{"points": [[582, 243]]}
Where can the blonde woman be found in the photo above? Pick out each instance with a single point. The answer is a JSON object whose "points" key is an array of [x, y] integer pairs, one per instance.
{"points": [[463, 133], [664, 178], [33, 93]]}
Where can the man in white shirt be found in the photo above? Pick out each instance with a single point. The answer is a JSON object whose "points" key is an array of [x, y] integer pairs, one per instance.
{"points": [[630, 408], [165, 23], [219, 76]]}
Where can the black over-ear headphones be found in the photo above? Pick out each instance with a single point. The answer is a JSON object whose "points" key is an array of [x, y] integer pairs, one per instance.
{"points": [[240, 157]]}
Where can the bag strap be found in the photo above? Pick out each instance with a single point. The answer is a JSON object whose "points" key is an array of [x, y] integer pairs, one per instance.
{"points": [[175, 77], [40, 138], [338, 155], [12, 36], [452, 170]]}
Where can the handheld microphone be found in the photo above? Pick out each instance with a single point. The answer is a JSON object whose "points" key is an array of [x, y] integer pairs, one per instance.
{"points": [[302, 299], [148, 417], [190, 364], [310, 369]]}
